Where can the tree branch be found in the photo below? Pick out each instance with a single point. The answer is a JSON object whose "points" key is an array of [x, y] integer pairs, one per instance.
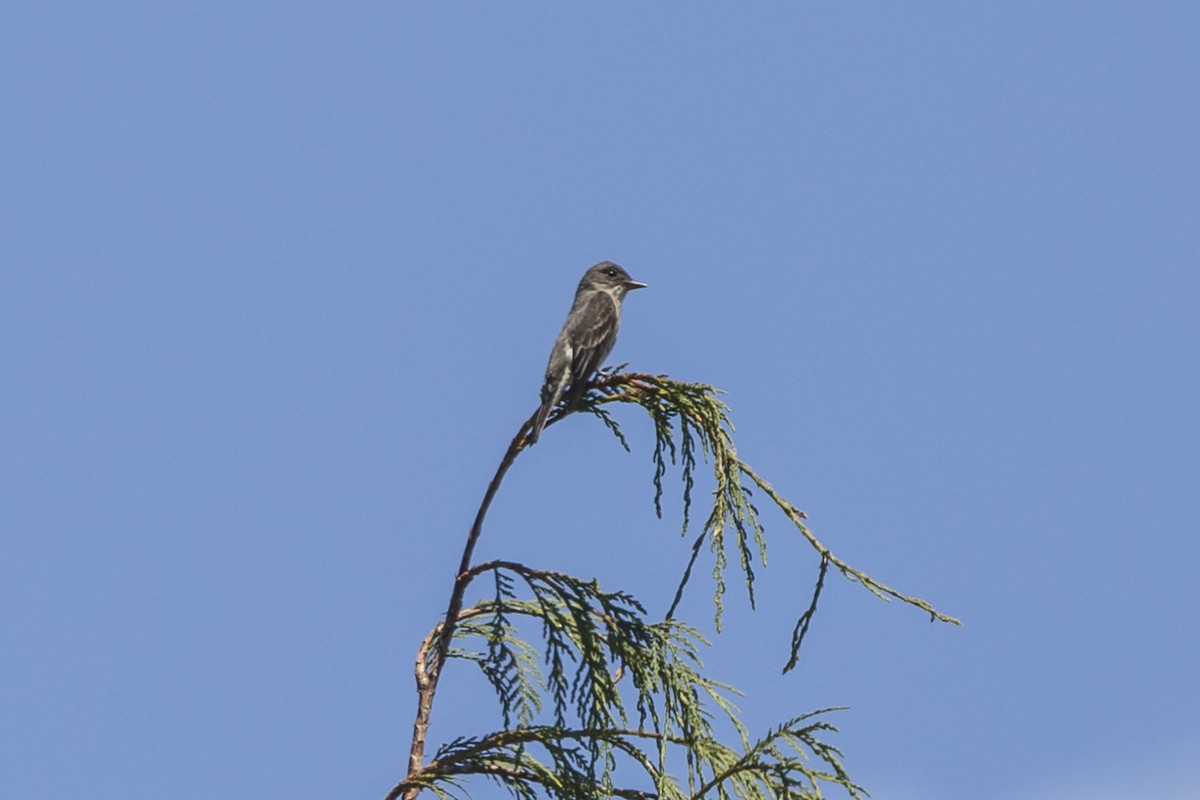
{"points": [[606, 627], [429, 671], [876, 588]]}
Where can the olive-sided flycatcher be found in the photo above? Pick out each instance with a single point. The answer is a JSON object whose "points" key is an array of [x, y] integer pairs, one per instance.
{"points": [[586, 338]]}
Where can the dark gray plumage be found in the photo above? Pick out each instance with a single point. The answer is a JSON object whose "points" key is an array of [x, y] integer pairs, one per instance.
{"points": [[586, 338]]}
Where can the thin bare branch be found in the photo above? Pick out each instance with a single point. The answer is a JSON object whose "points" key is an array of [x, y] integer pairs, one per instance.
{"points": [[429, 670]]}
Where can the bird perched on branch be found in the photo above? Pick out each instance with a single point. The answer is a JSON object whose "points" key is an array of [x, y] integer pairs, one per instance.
{"points": [[586, 338]]}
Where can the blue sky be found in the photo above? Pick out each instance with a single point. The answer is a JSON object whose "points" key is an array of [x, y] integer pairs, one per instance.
{"points": [[280, 281]]}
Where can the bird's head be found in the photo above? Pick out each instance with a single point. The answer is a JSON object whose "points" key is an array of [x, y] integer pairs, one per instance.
{"points": [[609, 277]]}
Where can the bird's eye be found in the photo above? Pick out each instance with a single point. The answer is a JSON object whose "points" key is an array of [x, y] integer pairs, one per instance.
{"points": [[610, 272]]}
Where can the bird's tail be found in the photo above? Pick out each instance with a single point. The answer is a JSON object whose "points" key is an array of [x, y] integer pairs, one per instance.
{"points": [[539, 421]]}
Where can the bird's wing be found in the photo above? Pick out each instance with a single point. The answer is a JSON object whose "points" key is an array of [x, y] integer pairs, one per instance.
{"points": [[593, 335]]}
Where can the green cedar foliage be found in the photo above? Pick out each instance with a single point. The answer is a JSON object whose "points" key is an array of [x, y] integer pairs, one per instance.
{"points": [[598, 700]]}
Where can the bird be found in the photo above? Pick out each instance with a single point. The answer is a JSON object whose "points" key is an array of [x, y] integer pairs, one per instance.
{"points": [[586, 338]]}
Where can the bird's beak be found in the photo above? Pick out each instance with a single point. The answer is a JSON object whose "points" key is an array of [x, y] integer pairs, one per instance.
{"points": [[632, 284]]}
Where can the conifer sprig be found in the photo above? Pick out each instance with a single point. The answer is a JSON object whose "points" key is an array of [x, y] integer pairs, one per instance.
{"points": [[694, 412], [586, 684]]}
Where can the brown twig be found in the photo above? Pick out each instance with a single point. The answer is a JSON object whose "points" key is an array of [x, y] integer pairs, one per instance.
{"points": [[413, 784], [427, 670]]}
